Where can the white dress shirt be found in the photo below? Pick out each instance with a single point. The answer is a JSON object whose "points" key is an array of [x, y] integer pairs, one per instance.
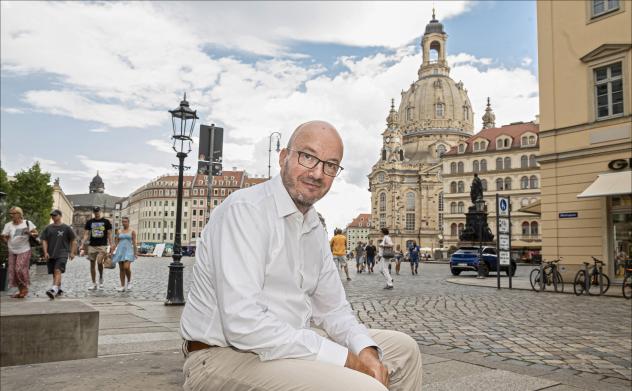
{"points": [[263, 270]]}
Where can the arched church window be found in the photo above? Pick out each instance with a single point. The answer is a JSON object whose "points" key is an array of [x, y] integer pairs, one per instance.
{"points": [[409, 113], [439, 110], [410, 202], [382, 202], [380, 177], [401, 154], [466, 113], [383, 153], [441, 149]]}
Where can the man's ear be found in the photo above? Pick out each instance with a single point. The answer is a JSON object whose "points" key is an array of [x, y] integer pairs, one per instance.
{"points": [[282, 157]]}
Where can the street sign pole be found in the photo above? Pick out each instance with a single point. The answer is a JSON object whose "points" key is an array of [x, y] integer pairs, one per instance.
{"points": [[497, 244], [509, 218], [503, 236]]}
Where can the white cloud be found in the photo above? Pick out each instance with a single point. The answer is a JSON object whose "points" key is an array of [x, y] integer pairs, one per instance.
{"points": [[161, 145], [99, 130], [12, 110], [526, 61]]}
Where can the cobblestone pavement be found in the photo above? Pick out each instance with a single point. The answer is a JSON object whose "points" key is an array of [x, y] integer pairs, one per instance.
{"points": [[575, 336]]}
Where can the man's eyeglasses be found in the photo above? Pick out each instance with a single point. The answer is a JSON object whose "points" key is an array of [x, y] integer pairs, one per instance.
{"points": [[310, 161]]}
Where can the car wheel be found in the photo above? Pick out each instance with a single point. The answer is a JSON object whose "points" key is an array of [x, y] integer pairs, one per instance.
{"points": [[484, 269], [455, 272]]}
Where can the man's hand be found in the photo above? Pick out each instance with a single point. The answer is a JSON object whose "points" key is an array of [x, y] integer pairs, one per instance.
{"points": [[46, 255], [371, 359], [368, 363], [72, 256]]}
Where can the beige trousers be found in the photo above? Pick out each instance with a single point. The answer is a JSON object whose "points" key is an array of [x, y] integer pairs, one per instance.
{"points": [[227, 369]]}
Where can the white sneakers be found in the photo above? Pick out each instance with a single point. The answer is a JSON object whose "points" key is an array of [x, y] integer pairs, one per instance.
{"points": [[120, 289], [125, 288], [129, 286], [93, 287]]}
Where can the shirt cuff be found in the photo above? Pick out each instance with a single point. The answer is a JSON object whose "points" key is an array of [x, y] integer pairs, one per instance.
{"points": [[332, 353], [361, 341]]}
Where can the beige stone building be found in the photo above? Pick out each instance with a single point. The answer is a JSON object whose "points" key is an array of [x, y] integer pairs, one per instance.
{"points": [[505, 160], [585, 73], [358, 231], [434, 115], [152, 208], [61, 202]]}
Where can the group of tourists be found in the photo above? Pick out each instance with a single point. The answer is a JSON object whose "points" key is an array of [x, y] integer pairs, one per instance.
{"points": [[365, 256], [58, 243]]}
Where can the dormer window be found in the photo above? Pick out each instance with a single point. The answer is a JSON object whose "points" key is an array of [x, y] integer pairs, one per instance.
{"points": [[479, 146], [461, 148], [503, 143], [527, 141]]}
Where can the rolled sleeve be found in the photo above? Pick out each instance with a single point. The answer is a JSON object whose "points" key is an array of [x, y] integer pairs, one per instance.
{"points": [[361, 341]]}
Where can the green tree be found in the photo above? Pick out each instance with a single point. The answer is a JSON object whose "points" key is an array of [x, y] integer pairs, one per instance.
{"points": [[5, 188], [32, 192]]}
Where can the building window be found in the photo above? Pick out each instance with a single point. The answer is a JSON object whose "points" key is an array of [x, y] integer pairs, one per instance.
{"points": [[524, 161], [453, 168], [439, 110], [193, 223], [534, 228], [460, 167], [524, 182], [410, 202], [453, 207], [507, 183], [461, 187], [409, 113], [600, 7], [483, 165], [382, 202], [507, 164], [382, 220], [380, 177], [475, 166], [410, 221], [609, 91], [453, 229], [532, 162], [499, 184], [462, 148], [466, 113], [441, 149], [461, 228], [453, 187], [499, 163], [484, 184], [461, 207], [533, 181], [525, 228], [441, 206]]}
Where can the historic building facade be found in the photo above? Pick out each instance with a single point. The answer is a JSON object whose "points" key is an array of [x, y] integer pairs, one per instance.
{"points": [[358, 231], [434, 115], [83, 204], [505, 160], [585, 74], [61, 202], [152, 208]]}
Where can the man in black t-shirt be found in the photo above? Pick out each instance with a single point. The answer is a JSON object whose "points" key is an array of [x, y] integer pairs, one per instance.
{"points": [[96, 238], [370, 255], [58, 242]]}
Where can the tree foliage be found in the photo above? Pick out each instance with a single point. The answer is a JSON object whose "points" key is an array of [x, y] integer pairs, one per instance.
{"points": [[32, 192]]}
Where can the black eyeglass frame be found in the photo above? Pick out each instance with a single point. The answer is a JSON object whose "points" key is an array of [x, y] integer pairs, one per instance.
{"points": [[338, 171]]}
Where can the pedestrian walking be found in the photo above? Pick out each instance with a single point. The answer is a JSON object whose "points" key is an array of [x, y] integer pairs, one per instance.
{"points": [[359, 254], [58, 243], [386, 253], [248, 319], [413, 254], [96, 238], [125, 254], [398, 258], [338, 245], [370, 251], [17, 233]]}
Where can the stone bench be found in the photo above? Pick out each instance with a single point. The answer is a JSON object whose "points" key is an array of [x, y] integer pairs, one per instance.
{"points": [[44, 331]]}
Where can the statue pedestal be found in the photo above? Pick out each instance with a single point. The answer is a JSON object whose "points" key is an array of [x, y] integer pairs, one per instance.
{"points": [[476, 228]]}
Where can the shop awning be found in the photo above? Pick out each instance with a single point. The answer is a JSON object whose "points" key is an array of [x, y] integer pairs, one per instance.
{"points": [[534, 208], [609, 184]]}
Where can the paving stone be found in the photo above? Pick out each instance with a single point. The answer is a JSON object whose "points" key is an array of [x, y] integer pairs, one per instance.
{"points": [[493, 380]]}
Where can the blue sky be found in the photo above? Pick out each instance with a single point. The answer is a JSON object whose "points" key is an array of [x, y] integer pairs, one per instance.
{"points": [[87, 86]]}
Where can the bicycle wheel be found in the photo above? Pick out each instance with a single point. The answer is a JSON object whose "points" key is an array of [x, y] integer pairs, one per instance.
{"points": [[558, 282], [534, 279], [595, 288], [579, 282], [627, 287]]}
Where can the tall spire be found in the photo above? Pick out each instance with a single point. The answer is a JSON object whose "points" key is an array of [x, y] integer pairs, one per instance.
{"points": [[489, 118], [393, 117]]}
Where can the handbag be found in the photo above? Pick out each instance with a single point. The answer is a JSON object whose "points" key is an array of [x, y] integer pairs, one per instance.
{"points": [[107, 262], [388, 252], [33, 241]]}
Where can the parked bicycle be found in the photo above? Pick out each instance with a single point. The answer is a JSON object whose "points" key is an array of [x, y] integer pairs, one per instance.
{"points": [[627, 281], [593, 280], [552, 277]]}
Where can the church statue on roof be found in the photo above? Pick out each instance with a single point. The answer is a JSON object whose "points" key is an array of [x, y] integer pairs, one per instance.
{"points": [[434, 115]]}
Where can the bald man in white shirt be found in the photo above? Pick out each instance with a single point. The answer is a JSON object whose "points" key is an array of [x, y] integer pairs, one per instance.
{"points": [[264, 275]]}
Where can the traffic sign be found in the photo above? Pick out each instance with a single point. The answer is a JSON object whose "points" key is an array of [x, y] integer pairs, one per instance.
{"points": [[503, 242], [503, 206], [504, 258], [503, 225]]}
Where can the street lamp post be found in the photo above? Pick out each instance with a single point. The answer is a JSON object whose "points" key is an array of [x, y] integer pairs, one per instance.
{"points": [[278, 148], [183, 121]]}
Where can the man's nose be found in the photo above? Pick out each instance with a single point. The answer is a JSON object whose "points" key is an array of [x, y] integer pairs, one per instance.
{"points": [[318, 171]]}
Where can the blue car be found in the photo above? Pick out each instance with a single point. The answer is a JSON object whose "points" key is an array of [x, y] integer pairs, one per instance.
{"points": [[466, 259]]}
